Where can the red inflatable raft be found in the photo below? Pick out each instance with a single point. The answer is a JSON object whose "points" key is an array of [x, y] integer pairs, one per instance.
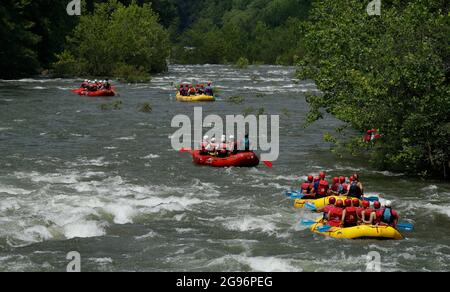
{"points": [[102, 92], [243, 159]]}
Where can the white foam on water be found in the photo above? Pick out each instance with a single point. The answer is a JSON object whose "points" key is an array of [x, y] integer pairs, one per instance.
{"points": [[54, 178], [248, 223], [100, 161], [185, 230], [268, 264], [102, 261], [9, 204], [36, 233], [131, 138], [84, 229], [151, 234], [151, 156], [294, 178], [13, 190], [39, 88], [430, 188], [255, 264], [443, 209], [123, 214], [5, 129]]}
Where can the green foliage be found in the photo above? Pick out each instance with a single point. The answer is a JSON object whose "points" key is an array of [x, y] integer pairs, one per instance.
{"points": [[236, 99], [261, 31], [17, 54], [242, 63], [146, 108], [66, 65], [116, 105], [124, 40], [248, 111], [131, 74], [388, 72]]}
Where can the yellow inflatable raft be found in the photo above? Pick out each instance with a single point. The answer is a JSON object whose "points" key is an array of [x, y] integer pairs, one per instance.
{"points": [[195, 98], [319, 203], [359, 232]]}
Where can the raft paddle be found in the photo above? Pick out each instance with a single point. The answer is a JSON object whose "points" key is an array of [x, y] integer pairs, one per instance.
{"points": [[307, 222], [324, 228], [268, 164], [294, 195], [405, 226], [311, 206]]}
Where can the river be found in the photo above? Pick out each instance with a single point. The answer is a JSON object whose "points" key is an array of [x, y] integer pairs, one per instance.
{"points": [[107, 184]]}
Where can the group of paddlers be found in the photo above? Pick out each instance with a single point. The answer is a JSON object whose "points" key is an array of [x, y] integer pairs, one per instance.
{"points": [[95, 85], [199, 89], [352, 211], [225, 147]]}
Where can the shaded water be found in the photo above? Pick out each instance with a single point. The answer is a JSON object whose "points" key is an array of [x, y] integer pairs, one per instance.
{"points": [[108, 185]]}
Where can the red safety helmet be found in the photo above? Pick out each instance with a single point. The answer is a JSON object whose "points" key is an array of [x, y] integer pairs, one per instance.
{"points": [[348, 203], [377, 205], [366, 204], [352, 178], [310, 178], [323, 175], [355, 203], [332, 201], [335, 180], [316, 179], [340, 203], [342, 179]]}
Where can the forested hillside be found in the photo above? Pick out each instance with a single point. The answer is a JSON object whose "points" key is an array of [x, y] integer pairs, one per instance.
{"points": [[201, 31]]}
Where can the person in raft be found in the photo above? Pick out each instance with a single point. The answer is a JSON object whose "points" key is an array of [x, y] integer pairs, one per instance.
{"points": [[323, 187], [335, 215], [387, 216], [85, 84], [233, 145], [223, 147], [212, 147], [246, 143], [356, 188], [209, 90], [326, 210], [307, 187], [372, 214], [204, 145]]}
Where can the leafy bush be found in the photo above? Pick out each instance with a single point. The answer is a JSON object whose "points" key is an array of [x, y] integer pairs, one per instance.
{"points": [[242, 63], [146, 108]]}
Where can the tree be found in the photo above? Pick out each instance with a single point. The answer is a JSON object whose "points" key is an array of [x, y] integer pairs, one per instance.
{"points": [[116, 38], [388, 72], [17, 54]]}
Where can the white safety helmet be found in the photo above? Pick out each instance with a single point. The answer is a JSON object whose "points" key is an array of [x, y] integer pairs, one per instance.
{"points": [[388, 204], [231, 137], [206, 138], [213, 140], [85, 80], [224, 138], [95, 80]]}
